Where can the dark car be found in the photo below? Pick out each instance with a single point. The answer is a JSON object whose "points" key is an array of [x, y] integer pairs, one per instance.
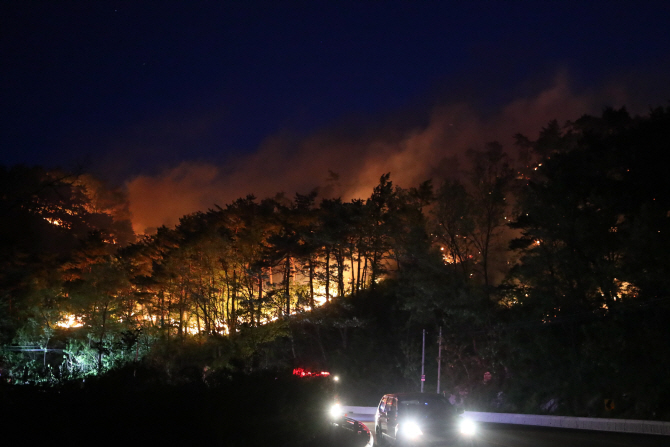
{"points": [[348, 432], [420, 419]]}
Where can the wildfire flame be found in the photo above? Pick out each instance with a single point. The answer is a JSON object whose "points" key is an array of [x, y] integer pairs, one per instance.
{"points": [[69, 321]]}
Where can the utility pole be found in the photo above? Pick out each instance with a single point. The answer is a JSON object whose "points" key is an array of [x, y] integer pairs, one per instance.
{"points": [[423, 358], [439, 359]]}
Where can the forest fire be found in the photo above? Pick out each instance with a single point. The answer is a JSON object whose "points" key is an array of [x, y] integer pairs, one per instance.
{"points": [[56, 222], [265, 283], [69, 321]]}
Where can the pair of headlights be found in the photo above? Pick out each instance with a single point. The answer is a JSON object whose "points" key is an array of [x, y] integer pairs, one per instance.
{"points": [[412, 430]]}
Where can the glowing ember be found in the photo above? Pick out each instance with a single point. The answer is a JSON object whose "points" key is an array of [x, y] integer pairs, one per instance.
{"points": [[56, 222]]}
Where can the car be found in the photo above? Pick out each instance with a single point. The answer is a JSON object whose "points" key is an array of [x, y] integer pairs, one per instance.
{"points": [[420, 419], [346, 431]]}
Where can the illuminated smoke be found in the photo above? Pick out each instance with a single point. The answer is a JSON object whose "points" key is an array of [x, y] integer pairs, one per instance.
{"points": [[412, 154]]}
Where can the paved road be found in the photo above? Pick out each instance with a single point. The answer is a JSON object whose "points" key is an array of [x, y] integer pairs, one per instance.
{"points": [[503, 435]]}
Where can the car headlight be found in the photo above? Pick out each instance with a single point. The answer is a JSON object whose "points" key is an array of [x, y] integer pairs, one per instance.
{"points": [[336, 410], [411, 429], [467, 427]]}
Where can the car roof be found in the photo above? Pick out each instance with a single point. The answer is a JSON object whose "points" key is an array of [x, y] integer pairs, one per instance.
{"points": [[415, 395]]}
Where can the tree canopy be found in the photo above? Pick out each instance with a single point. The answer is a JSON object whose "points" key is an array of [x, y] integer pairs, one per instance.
{"points": [[546, 269]]}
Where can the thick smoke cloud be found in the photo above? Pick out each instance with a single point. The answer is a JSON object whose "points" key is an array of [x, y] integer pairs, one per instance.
{"points": [[412, 153]]}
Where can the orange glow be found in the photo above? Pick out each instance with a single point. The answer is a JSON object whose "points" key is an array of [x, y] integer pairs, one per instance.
{"points": [[56, 222], [448, 259], [69, 321]]}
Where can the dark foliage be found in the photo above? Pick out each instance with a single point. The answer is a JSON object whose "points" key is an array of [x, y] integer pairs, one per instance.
{"points": [[562, 309]]}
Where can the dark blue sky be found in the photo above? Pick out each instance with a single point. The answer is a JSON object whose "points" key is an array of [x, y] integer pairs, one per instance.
{"points": [[154, 83]]}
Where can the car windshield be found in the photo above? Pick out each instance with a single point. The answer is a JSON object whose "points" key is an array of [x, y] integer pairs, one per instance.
{"points": [[433, 407]]}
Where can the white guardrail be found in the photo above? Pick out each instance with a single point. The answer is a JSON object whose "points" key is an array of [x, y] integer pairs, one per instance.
{"points": [[615, 425], [349, 410], [618, 425]]}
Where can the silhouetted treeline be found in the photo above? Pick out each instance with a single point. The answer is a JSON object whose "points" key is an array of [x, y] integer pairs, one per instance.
{"points": [[548, 271]]}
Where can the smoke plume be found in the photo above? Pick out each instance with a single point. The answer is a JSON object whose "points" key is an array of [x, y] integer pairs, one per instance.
{"points": [[411, 153]]}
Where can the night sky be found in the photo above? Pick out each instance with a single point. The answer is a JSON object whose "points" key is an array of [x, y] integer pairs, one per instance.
{"points": [[206, 101]]}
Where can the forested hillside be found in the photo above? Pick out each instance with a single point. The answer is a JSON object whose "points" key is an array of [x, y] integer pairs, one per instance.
{"points": [[547, 269]]}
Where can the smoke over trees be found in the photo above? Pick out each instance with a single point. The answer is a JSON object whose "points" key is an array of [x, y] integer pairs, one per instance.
{"points": [[551, 262]]}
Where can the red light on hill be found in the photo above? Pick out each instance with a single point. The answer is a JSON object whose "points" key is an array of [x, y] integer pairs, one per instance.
{"points": [[303, 373]]}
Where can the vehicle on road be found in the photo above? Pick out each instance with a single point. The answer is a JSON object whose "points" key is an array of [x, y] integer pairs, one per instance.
{"points": [[420, 419], [346, 431]]}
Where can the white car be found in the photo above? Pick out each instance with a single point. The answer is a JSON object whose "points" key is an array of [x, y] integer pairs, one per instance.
{"points": [[420, 419]]}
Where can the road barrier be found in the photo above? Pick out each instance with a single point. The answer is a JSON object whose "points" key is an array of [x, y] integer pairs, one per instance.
{"points": [[618, 425], [598, 424], [348, 409]]}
